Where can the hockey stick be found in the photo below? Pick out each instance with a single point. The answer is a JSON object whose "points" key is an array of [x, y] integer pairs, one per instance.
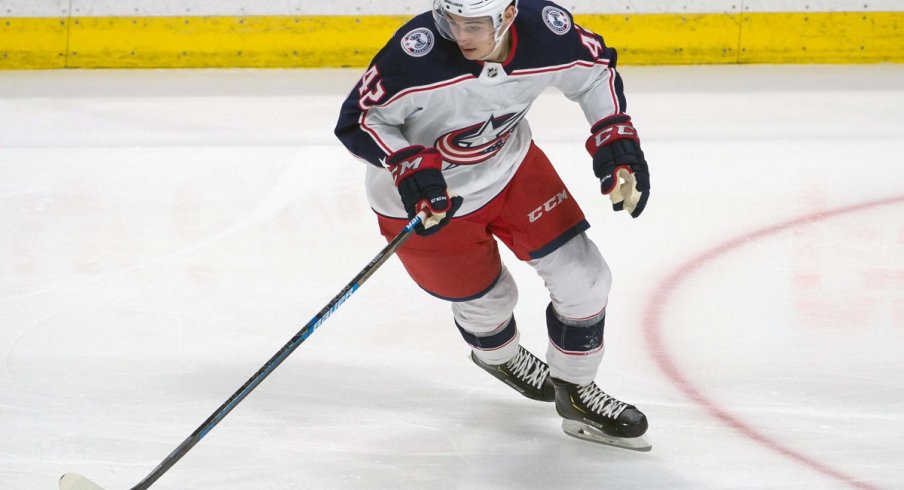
{"points": [[73, 481]]}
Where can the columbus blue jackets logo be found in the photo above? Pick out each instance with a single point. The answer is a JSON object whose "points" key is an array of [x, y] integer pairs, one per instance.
{"points": [[480, 142], [557, 20], [418, 42]]}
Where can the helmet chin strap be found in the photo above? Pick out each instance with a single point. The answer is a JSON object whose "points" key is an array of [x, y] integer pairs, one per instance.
{"points": [[500, 42]]}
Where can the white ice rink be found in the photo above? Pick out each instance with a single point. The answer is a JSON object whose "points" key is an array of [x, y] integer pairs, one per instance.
{"points": [[163, 233]]}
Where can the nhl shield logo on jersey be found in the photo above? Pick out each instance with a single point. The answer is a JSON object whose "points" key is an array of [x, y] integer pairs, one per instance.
{"points": [[479, 142], [418, 42], [557, 20]]}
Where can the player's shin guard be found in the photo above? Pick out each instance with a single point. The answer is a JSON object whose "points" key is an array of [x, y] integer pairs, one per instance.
{"points": [[575, 346]]}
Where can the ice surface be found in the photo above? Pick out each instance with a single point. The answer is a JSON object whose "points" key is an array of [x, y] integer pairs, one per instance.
{"points": [[163, 233]]}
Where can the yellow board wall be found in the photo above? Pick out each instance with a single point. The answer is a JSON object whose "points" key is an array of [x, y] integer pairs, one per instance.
{"points": [[339, 41]]}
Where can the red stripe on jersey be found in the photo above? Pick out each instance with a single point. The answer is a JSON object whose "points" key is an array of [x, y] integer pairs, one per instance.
{"points": [[426, 88], [362, 121], [612, 91], [588, 64]]}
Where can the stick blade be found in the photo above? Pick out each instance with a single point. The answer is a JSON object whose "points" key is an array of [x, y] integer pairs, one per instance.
{"points": [[74, 481]]}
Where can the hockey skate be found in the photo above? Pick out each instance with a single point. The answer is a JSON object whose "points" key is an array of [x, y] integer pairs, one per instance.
{"points": [[525, 373], [589, 413]]}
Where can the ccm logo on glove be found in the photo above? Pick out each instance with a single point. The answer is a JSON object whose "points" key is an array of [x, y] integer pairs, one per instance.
{"points": [[619, 163], [399, 170], [619, 130], [417, 173]]}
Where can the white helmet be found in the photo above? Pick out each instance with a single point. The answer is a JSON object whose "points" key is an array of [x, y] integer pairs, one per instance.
{"points": [[493, 9]]}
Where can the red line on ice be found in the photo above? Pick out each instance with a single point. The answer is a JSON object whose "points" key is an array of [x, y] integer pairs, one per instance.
{"points": [[653, 326]]}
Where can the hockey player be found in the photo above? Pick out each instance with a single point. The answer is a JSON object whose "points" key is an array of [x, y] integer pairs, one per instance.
{"points": [[439, 118]]}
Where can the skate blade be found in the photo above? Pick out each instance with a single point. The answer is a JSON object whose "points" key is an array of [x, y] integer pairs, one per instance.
{"points": [[580, 430]]}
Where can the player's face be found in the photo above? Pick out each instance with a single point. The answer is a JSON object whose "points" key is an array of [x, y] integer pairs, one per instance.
{"points": [[475, 35]]}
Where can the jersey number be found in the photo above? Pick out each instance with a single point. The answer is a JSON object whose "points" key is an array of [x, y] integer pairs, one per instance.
{"points": [[371, 90], [590, 42]]}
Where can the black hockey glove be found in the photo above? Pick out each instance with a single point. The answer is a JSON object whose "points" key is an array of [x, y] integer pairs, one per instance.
{"points": [[417, 172], [619, 163]]}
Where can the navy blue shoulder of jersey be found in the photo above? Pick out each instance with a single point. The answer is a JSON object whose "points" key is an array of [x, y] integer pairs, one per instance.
{"points": [[548, 36], [417, 55]]}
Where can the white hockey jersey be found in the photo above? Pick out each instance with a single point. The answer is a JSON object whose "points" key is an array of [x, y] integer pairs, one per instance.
{"points": [[420, 90]]}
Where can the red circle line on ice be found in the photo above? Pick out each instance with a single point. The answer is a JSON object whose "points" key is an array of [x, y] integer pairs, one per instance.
{"points": [[653, 326]]}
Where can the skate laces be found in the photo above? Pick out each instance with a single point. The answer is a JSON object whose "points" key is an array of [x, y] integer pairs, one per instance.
{"points": [[527, 367], [599, 402]]}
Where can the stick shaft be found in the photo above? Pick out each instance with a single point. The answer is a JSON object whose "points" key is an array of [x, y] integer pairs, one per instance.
{"points": [[280, 356]]}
